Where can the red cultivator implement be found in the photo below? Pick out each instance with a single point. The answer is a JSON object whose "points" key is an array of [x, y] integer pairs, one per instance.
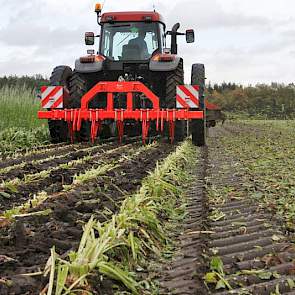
{"points": [[52, 97]]}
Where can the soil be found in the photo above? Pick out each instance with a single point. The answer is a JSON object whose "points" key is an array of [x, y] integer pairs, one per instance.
{"points": [[60, 176], [26, 243], [246, 238]]}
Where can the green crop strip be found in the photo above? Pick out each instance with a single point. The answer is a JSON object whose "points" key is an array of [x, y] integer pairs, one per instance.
{"points": [[14, 139], [18, 211], [118, 247], [95, 172], [80, 179], [12, 185], [51, 158]]}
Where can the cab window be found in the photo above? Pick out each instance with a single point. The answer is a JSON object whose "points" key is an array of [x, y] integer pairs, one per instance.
{"points": [[125, 41]]}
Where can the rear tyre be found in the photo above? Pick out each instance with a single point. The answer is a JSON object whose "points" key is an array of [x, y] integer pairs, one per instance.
{"points": [[78, 87], [173, 79], [199, 132], [198, 127], [198, 77], [58, 130]]}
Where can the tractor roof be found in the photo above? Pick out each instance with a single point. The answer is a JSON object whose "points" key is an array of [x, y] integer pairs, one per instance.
{"points": [[131, 16]]}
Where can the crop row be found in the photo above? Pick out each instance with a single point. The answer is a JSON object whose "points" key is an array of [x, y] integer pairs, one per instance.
{"points": [[61, 177], [116, 248], [28, 231]]}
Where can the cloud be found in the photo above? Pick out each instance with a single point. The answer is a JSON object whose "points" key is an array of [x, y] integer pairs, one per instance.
{"points": [[209, 14], [41, 36], [243, 41]]}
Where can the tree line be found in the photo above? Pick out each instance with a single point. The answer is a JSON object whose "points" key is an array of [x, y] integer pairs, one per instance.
{"points": [[31, 82], [262, 100]]}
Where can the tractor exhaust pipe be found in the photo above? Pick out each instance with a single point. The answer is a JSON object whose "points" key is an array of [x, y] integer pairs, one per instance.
{"points": [[174, 34]]}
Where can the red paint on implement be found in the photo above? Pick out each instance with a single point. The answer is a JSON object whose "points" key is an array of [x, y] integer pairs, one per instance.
{"points": [[74, 117], [211, 106], [135, 16]]}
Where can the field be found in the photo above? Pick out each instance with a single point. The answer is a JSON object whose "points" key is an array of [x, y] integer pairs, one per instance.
{"points": [[19, 127], [153, 219]]}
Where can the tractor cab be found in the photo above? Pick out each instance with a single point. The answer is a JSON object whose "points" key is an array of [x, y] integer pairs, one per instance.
{"points": [[137, 35], [131, 41], [129, 36]]}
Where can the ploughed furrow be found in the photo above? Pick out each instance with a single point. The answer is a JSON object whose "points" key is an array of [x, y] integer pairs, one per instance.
{"points": [[248, 251], [24, 151], [257, 257], [26, 243], [41, 154], [54, 179], [57, 150], [179, 277], [36, 166]]}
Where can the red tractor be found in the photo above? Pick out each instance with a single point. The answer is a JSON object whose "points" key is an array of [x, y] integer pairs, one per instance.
{"points": [[132, 85]]}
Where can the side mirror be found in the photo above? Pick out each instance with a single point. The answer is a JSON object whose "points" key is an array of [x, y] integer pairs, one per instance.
{"points": [[190, 36], [89, 38]]}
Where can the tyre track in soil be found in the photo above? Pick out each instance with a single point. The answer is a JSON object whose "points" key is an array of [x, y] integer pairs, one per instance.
{"points": [[245, 239], [179, 277], [29, 239], [60, 176]]}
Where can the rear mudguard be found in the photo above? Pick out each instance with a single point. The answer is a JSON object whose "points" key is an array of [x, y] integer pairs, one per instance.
{"points": [[88, 67], [157, 66], [154, 66]]}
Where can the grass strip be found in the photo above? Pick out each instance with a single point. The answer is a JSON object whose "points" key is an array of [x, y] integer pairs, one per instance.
{"points": [[116, 248]]}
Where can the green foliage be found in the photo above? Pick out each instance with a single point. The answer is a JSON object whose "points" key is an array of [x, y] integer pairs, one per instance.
{"points": [[32, 82], [216, 275], [14, 139], [19, 107], [19, 125]]}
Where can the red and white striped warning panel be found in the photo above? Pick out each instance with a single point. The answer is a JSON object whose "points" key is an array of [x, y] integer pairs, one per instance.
{"points": [[52, 97], [187, 96]]}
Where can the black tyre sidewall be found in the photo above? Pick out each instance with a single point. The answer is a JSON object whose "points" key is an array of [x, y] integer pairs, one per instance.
{"points": [[58, 129]]}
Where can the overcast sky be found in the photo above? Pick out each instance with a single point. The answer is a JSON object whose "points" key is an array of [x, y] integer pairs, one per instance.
{"points": [[243, 41]]}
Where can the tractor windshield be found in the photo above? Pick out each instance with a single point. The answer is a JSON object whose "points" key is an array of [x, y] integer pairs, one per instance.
{"points": [[130, 41]]}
